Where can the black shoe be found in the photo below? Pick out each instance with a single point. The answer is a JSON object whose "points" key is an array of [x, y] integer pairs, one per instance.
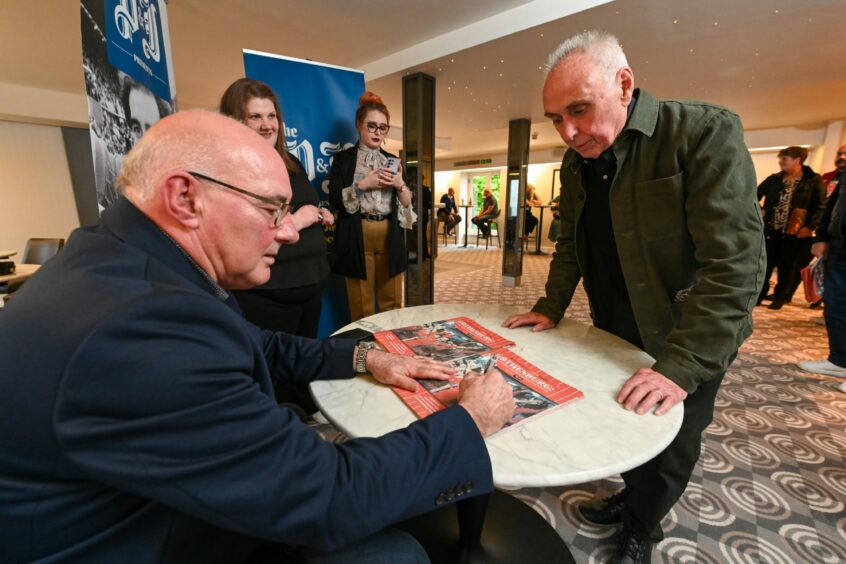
{"points": [[769, 297], [632, 548], [817, 305], [608, 511], [778, 303]]}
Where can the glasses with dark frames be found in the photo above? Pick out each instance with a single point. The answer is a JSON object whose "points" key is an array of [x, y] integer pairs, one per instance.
{"points": [[280, 208], [373, 127]]}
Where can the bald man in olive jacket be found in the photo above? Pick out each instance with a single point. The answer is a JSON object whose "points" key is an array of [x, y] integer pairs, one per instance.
{"points": [[659, 219]]}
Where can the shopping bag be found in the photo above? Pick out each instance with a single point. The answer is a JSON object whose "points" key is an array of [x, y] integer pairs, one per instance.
{"points": [[812, 280]]}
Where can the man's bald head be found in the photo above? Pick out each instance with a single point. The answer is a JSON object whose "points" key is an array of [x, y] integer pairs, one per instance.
{"points": [[217, 189], [840, 158], [197, 140]]}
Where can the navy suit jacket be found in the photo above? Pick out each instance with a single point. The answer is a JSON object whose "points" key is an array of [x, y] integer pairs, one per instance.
{"points": [[138, 424]]}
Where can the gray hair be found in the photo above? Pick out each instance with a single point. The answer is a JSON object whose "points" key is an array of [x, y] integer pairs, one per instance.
{"points": [[603, 48]]}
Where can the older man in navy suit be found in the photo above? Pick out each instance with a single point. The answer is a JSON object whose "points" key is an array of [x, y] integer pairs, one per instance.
{"points": [[137, 418]]}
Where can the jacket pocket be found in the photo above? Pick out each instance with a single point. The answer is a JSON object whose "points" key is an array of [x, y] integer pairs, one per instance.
{"points": [[660, 207]]}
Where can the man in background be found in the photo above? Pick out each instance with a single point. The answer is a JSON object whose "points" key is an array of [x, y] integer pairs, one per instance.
{"points": [[137, 414], [828, 243], [660, 221], [449, 213], [490, 211], [831, 178]]}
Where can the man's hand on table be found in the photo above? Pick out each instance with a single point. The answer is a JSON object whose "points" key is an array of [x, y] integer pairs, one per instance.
{"points": [[646, 388], [488, 399], [398, 370], [539, 321]]}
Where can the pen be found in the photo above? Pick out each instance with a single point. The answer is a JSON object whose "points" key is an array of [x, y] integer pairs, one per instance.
{"points": [[491, 364]]}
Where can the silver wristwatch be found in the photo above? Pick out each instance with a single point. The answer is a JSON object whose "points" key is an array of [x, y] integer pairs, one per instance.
{"points": [[361, 357]]}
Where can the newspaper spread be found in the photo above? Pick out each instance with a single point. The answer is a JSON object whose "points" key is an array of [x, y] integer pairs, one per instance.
{"points": [[469, 347]]}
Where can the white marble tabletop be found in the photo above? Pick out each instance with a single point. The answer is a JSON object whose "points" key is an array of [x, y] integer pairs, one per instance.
{"points": [[588, 439]]}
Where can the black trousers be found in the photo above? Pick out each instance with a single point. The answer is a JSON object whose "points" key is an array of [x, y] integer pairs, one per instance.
{"points": [[789, 255], [530, 223], [653, 488], [291, 310]]}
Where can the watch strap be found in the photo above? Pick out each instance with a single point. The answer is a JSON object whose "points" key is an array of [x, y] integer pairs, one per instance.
{"points": [[361, 357]]}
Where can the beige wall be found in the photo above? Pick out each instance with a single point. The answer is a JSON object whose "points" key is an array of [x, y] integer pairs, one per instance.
{"points": [[36, 196]]}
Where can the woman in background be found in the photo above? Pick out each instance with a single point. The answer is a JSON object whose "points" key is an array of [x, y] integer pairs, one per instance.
{"points": [[291, 300], [532, 199], [794, 202], [374, 210]]}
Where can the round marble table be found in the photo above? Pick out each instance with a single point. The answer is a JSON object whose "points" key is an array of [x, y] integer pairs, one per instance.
{"points": [[588, 439]]}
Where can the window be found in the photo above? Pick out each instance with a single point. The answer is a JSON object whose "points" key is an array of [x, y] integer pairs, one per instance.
{"points": [[478, 185]]}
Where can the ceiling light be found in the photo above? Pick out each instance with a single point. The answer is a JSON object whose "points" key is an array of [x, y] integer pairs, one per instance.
{"points": [[675, 21], [452, 60]]}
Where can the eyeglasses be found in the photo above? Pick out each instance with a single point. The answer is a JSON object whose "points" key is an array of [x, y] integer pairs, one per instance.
{"points": [[280, 209], [373, 127]]}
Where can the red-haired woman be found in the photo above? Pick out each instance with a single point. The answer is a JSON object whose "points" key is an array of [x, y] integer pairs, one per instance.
{"points": [[374, 210]]}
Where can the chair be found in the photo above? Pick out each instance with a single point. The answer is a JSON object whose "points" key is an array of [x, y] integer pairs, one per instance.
{"points": [[532, 236], [39, 251], [36, 251], [492, 224]]}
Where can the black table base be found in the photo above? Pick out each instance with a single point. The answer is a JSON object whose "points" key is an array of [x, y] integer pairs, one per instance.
{"points": [[488, 529]]}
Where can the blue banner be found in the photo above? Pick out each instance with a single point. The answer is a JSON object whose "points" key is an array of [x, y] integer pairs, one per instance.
{"points": [[318, 105], [120, 105], [138, 37]]}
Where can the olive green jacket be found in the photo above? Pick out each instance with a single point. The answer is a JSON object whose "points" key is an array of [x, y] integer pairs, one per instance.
{"points": [[688, 231]]}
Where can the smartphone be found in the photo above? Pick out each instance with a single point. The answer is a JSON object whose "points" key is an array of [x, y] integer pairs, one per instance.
{"points": [[356, 334], [393, 164]]}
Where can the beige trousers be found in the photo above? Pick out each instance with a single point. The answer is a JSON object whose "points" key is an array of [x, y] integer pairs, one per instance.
{"points": [[380, 291]]}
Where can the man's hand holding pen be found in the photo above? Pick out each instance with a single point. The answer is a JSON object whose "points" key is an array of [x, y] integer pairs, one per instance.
{"points": [[487, 398]]}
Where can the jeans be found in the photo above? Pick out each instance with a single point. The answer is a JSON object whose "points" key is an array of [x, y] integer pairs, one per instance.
{"points": [[834, 295]]}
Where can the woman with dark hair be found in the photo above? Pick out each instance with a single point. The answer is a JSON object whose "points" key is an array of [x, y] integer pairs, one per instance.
{"points": [[532, 199], [794, 201], [374, 209], [291, 300]]}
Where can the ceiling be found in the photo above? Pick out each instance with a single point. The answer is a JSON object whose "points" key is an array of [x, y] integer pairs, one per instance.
{"points": [[776, 62]]}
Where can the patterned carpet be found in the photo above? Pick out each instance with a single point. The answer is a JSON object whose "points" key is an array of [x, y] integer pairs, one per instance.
{"points": [[770, 485]]}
